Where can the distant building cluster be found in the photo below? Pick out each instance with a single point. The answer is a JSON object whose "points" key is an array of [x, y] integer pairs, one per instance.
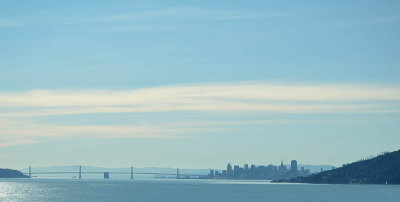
{"points": [[270, 172]]}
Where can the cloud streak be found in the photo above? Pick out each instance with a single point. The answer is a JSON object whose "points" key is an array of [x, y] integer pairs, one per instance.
{"points": [[16, 142], [383, 20], [175, 13], [185, 13], [22, 132], [9, 23], [213, 97], [18, 109]]}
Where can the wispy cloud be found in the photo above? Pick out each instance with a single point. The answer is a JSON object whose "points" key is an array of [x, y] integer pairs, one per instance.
{"points": [[8, 143], [16, 128], [367, 22], [174, 13], [10, 23], [29, 129], [390, 19], [16, 107], [16, 132], [185, 13], [216, 97], [21, 132]]}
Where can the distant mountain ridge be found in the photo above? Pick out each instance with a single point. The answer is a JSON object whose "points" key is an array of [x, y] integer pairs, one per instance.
{"points": [[382, 169]]}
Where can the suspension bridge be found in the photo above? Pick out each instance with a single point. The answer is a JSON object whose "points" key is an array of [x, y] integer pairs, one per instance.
{"points": [[107, 174]]}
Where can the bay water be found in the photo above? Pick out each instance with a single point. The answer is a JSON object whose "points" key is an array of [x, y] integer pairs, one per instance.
{"points": [[172, 190]]}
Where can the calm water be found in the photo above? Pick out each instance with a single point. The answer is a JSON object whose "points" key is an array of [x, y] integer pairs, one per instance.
{"points": [[188, 190]]}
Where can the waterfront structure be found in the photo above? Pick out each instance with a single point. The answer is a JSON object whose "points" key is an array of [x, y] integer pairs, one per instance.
{"points": [[106, 175]]}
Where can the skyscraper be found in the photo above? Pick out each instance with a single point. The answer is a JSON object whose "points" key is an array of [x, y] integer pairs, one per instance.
{"points": [[211, 173], [229, 169], [236, 170], [293, 167]]}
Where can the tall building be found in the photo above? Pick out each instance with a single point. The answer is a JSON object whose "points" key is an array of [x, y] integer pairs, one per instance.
{"points": [[275, 169], [229, 169], [236, 170], [270, 172], [282, 168], [293, 167]]}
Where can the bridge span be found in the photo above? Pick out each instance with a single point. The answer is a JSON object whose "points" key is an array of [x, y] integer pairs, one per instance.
{"points": [[79, 172]]}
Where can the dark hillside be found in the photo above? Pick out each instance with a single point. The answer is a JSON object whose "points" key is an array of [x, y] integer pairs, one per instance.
{"points": [[9, 173], [379, 170]]}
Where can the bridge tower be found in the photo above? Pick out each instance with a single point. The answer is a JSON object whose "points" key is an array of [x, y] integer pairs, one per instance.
{"points": [[80, 172], [131, 173], [177, 173], [30, 173]]}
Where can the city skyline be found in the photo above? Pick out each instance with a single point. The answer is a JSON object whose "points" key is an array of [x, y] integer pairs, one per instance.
{"points": [[232, 171], [261, 172], [197, 84]]}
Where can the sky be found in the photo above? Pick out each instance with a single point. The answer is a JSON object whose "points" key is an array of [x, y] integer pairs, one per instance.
{"points": [[197, 84]]}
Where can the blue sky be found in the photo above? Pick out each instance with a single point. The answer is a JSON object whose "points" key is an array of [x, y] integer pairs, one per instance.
{"points": [[197, 83]]}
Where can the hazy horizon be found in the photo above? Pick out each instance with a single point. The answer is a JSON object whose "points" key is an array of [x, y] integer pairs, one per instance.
{"points": [[221, 167], [198, 84]]}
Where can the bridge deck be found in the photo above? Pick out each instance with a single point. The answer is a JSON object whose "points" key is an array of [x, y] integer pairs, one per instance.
{"points": [[98, 172]]}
